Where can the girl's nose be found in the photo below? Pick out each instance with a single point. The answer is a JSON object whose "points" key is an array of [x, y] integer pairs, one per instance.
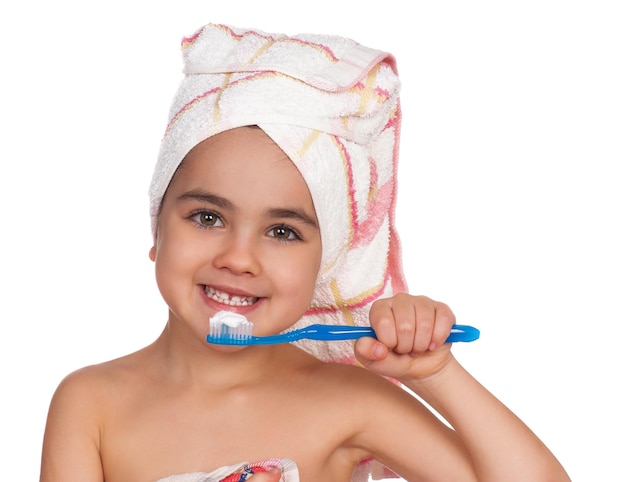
{"points": [[238, 254]]}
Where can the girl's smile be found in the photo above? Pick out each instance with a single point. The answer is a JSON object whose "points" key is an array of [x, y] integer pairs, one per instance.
{"points": [[237, 231], [229, 299]]}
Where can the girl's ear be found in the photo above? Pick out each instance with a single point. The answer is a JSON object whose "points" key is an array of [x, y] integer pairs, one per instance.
{"points": [[152, 253]]}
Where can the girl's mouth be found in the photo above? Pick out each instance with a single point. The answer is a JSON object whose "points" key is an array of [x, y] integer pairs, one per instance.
{"points": [[228, 299]]}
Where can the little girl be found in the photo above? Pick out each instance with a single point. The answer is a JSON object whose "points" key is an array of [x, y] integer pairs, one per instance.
{"points": [[273, 197]]}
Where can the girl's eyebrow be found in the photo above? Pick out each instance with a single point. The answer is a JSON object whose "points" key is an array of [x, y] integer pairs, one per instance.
{"points": [[297, 214], [287, 213], [207, 197]]}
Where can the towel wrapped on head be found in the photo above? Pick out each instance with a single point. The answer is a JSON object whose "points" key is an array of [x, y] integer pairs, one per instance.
{"points": [[332, 105]]}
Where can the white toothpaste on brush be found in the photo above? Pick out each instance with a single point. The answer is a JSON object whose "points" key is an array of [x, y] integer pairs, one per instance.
{"points": [[229, 325], [228, 318]]}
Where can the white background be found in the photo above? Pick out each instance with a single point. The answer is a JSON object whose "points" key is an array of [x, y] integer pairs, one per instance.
{"points": [[511, 208]]}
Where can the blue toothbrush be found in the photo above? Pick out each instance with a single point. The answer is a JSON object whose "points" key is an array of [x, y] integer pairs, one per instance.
{"points": [[241, 334]]}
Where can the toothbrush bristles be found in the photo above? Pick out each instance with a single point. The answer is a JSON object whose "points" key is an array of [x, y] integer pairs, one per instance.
{"points": [[232, 335]]}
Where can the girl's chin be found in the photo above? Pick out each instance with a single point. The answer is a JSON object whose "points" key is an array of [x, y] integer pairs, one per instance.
{"points": [[226, 348]]}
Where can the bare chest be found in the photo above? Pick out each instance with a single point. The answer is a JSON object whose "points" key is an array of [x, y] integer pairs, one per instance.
{"points": [[165, 434]]}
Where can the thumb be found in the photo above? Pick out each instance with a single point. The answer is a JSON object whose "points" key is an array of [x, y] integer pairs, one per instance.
{"points": [[368, 350]]}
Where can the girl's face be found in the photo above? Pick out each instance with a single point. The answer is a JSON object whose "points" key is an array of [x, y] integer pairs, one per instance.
{"points": [[237, 231]]}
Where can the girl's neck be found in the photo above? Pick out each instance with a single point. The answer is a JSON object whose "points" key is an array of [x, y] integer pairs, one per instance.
{"points": [[189, 362]]}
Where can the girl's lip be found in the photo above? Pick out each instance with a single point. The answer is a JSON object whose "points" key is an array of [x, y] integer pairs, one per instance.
{"points": [[230, 290]]}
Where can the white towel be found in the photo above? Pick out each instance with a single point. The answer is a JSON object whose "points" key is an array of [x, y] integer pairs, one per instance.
{"points": [[239, 472]]}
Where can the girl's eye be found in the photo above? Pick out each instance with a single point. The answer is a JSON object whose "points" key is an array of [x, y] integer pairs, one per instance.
{"points": [[284, 233], [207, 219]]}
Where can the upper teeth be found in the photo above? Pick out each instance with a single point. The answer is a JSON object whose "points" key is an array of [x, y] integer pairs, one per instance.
{"points": [[227, 299]]}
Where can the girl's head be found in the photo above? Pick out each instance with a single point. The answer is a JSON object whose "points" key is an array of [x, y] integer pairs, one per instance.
{"points": [[331, 105]]}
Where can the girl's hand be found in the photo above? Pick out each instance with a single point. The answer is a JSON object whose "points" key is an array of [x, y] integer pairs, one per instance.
{"points": [[411, 332]]}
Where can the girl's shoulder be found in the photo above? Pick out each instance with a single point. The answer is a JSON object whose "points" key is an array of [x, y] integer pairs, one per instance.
{"points": [[102, 379]]}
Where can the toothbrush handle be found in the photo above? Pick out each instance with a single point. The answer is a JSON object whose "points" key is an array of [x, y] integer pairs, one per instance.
{"points": [[463, 333], [334, 332], [316, 332], [340, 332]]}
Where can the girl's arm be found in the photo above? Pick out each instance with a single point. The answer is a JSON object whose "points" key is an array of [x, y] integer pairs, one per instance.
{"points": [[71, 439], [411, 347], [501, 446]]}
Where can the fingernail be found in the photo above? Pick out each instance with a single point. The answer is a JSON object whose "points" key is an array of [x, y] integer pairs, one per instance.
{"points": [[379, 350], [432, 346]]}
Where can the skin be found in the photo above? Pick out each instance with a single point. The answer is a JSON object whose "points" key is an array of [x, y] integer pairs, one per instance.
{"points": [[238, 218]]}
